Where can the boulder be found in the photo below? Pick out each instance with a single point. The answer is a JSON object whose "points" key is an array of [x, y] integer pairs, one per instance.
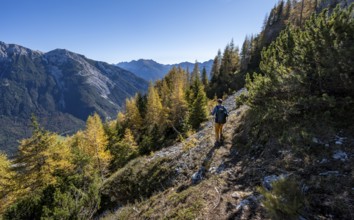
{"points": [[198, 176], [268, 180], [340, 155]]}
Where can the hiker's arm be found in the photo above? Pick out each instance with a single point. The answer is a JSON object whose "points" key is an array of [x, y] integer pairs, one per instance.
{"points": [[214, 111]]}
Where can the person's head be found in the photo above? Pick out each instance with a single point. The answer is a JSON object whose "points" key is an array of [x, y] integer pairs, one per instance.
{"points": [[219, 101]]}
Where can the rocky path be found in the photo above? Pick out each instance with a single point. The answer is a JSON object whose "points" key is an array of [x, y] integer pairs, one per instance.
{"points": [[220, 182], [200, 171], [194, 156], [205, 130]]}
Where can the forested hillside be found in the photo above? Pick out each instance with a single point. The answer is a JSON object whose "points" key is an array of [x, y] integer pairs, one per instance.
{"points": [[61, 177], [60, 87], [288, 147]]}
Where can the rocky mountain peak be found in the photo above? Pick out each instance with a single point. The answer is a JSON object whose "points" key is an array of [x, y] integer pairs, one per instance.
{"points": [[59, 84], [9, 50]]}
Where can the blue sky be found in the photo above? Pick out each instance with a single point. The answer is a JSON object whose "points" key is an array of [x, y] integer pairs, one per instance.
{"points": [[167, 31]]}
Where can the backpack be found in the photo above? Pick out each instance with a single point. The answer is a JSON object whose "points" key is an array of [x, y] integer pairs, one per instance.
{"points": [[221, 114]]}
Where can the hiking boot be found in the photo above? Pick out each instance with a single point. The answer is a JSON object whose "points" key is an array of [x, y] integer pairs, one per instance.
{"points": [[222, 138]]}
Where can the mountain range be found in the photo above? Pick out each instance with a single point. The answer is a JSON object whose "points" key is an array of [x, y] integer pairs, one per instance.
{"points": [[60, 87], [150, 70]]}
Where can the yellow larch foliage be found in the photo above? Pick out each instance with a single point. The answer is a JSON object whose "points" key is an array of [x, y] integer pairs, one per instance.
{"points": [[129, 139], [132, 116], [155, 114], [178, 107], [40, 158], [120, 118], [6, 183], [96, 142]]}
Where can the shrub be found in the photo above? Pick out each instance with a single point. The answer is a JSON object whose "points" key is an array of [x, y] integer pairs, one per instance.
{"points": [[138, 179], [285, 200]]}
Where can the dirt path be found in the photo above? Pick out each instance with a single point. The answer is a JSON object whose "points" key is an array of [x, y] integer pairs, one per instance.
{"points": [[202, 176], [198, 151]]}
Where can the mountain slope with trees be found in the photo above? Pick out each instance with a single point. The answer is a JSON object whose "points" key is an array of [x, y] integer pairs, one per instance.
{"points": [[231, 65], [62, 177], [60, 87], [287, 153]]}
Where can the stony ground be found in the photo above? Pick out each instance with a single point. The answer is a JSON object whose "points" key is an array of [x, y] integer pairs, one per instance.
{"points": [[220, 182], [205, 170]]}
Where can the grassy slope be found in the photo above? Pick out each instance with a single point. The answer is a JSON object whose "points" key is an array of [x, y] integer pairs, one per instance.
{"points": [[179, 198], [235, 171]]}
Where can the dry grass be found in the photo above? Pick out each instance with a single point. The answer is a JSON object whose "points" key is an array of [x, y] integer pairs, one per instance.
{"points": [[190, 143]]}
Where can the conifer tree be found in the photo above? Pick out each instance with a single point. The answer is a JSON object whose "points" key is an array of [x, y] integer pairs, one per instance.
{"points": [[133, 118], [301, 12], [124, 150], [188, 76], [120, 124], [230, 60], [163, 90], [287, 9], [7, 183], [198, 103], [155, 114], [214, 70], [298, 78], [265, 22], [245, 53], [280, 9], [205, 80], [82, 159], [39, 160], [96, 142], [141, 104], [223, 82], [178, 106], [196, 72]]}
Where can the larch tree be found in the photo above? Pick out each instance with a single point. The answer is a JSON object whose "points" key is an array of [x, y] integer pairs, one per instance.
{"points": [[133, 118], [155, 114], [163, 89], [40, 158], [96, 144], [178, 106], [7, 183]]}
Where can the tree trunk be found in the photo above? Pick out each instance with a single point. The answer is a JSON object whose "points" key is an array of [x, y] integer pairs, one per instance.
{"points": [[302, 10]]}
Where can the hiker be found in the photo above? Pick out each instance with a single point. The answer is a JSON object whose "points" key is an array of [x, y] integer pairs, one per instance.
{"points": [[221, 114]]}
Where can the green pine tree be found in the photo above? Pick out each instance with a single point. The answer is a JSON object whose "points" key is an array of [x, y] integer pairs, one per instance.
{"points": [[205, 79], [198, 104]]}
